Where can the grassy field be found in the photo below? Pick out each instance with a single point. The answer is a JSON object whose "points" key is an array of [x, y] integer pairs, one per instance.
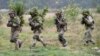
{"points": [[74, 36]]}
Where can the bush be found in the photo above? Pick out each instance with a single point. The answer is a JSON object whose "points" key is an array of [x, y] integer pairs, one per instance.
{"points": [[18, 8], [98, 9], [71, 11]]}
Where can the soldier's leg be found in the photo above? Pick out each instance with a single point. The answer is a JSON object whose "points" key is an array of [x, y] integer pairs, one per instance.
{"points": [[34, 41], [86, 35], [41, 40], [18, 42], [38, 38], [13, 38], [16, 45], [90, 36], [61, 39]]}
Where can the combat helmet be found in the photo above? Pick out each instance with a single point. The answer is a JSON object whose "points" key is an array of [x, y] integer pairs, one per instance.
{"points": [[34, 12], [86, 12]]}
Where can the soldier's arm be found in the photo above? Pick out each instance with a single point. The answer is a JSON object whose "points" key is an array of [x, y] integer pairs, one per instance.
{"points": [[65, 23], [40, 20], [55, 21], [82, 22], [31, 22], [93, 20], [9, 24]]}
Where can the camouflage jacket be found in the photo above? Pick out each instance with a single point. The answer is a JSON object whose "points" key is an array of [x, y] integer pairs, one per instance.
{"points": [[61, 24], [61, 21], [35, 22], [88, 21], [14, 22]]}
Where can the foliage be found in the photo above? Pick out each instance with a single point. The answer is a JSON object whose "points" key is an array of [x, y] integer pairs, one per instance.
{"points": [[98, 9], [39, 12], [18, 8], [44, 11], [40, 51], [71, 11]]}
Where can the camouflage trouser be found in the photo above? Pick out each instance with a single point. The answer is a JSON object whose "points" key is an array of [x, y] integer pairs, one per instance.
{"points": [[61, 38], [36, 38], [14, 38], [14, 35], [88, 36]]}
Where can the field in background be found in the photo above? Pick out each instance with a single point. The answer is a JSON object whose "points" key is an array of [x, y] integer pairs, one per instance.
{"points": [[74, 36]]}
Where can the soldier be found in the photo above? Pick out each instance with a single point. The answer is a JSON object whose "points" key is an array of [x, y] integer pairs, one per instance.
{"points": [[36, 26], [88, 21], [61, 26], [14, 23]]}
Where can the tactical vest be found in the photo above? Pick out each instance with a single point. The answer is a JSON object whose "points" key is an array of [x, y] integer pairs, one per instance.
{"points": [[88, 21], [14, 22]]}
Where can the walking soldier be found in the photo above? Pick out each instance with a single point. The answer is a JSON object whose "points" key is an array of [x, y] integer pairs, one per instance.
{"points": [[36, 26], [88, 21], [14, 23], [61, 26]]}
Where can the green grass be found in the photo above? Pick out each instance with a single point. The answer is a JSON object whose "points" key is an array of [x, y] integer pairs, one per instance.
{"points": [[41, 51], [7, 49]]}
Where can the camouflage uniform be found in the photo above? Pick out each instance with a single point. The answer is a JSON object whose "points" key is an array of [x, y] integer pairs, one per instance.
{"points": [[14, 23], [61, 26], [89, 24], [36, 26]]}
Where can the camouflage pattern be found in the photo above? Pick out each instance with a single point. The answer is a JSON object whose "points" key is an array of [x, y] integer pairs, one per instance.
{"points": [[88, 21], [61, 26], [36, 26], [14, 23]]}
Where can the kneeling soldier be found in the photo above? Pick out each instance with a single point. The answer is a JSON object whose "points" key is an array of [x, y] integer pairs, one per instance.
{"points": [[14, 23], [61, 26], [36, 26], [88, 21]]}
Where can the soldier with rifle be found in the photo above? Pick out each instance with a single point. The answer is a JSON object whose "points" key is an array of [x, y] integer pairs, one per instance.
{"points": [[88, 21], [36, 25], [14, 23], [61, 26]]}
